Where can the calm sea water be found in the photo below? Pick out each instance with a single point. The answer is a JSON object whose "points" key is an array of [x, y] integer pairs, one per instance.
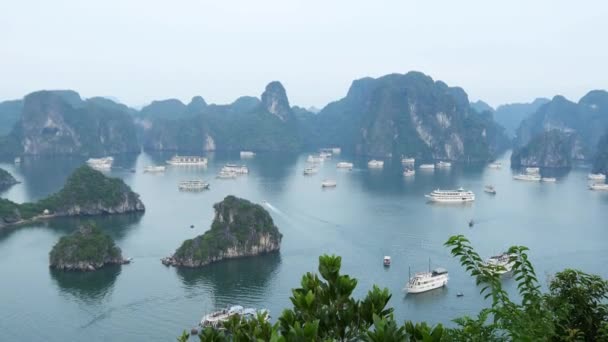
{"points": [[370, 214]]}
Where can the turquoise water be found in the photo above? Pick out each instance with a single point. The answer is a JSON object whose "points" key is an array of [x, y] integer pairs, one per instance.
{"points": [[371, 213]]}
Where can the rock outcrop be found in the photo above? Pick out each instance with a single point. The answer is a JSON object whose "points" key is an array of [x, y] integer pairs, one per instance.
{"points": [[240, 229], [87, 249], [511, 115], [600, 160], [274, 100], [6, 180], [550, 149], [87, 192]]}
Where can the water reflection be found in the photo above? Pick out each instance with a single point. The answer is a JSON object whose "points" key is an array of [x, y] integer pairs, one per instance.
{"points": [[234, 281], [88, 287]]}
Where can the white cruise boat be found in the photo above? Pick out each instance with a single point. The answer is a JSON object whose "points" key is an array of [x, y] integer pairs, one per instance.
{"points": [[344, 165], [328, 183], [386, 261], [596, 176], [444, 165], [101, 163], [247, 154], [310, 171], [187, 161], [193, 185], [226, 174], [500, 264], [548, 179], [426, 281], [495, 165], [408, 161], [527, 177], [217, 319], [598, 187], [314, 160], [154, 169], [325, 155], [451, 196], [375, 164], [427, 167], [532, 170], [409, 172], [238, 169]]}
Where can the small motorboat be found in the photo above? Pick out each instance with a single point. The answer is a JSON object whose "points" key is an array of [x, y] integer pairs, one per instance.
{"points": [[471, 223], [386, 261], [459, 294], [191, 226]]}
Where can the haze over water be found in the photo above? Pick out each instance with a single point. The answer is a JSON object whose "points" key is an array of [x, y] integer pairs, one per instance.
{"points": [[371, 213]]}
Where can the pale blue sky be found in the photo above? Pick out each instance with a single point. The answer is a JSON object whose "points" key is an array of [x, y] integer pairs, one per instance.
{"points": [[142, 50]]}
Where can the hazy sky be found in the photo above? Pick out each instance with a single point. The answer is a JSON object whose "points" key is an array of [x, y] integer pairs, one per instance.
{"points": [[141, 50]]}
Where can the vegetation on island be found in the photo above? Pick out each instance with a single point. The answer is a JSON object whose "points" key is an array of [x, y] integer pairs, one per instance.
{"points": [[6, 179], [86, 192], [324, 309], [86, 249], [240, 228], [553, 148], [600, 161]]}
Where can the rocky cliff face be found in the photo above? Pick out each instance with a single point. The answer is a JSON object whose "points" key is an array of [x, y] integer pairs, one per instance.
{"points": [[600, 160], [588, 119], [9, 115], [59, 122], [87, 249], [239, 229], [550, 149], [6, 180], [274, 100], [405, 115]]}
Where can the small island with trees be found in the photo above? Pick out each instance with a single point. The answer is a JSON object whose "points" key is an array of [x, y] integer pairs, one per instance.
{"points": [[87, 192], [240, 228], [87, 249], [6, 180]]}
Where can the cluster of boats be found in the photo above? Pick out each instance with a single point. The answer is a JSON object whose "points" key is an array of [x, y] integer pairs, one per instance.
{"points": [[231, 171], [532, 174], [598, 182], [217, 319]]}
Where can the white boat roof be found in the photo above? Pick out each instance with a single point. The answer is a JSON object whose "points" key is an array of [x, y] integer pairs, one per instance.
{"points": [[387, 257], [440, 270]]}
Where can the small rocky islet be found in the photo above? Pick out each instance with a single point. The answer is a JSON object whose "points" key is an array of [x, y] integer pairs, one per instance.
{"points": [[87, 192], [240, 229], [87, 249], [6, 180]]}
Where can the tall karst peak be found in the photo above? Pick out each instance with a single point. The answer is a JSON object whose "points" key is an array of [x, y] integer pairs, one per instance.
{"points": [[274, 100]]}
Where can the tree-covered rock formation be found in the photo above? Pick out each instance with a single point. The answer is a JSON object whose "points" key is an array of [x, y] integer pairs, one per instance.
{"points": [[600, 160], [480, 106], [60, 122], [9, 115], [550, 149], [240, 228], [87, 249], [511, 115], [6, 180], [86, 192], [408, 114], [588, 119]]}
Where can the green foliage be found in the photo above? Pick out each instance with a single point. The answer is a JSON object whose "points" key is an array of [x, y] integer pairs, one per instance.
{"points": [[600, 160], [238, 223], [549, 149], [88, 244]]}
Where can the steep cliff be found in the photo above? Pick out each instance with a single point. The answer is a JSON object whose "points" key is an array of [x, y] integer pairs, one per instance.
{"points": [[86, 192], [550, 149], [588, 119], [407, 114], [87, 249], [9, 115], [59, 122], [6, 180], [600, 160], [239, 229], [511, 115]]}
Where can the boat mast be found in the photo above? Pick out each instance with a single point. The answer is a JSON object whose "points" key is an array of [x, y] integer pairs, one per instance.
{"points": [[429, 265]]}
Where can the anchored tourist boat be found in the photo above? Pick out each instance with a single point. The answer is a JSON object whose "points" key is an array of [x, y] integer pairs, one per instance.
{"points": [[310, 171], [500, 264], [238, 169], [154, 169], [387, 260], [328, 183], [427, 281], [247, 154], [427, 167], [596, 176], [598, 187], [408, 161], [325, 155], [444, 165], [314, 160], [187, 161], [345, 165], [532, 170], [193, 185], [409, 172], [217, 319], [18, 160], [375, 164], [549, 179], [101, 163], [527, 177], [226, 174], [451, 196], [490, 189], [495, 165]]}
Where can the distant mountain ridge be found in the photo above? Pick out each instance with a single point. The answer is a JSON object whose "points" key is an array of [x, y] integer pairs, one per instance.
{"points": [[389, 116]]}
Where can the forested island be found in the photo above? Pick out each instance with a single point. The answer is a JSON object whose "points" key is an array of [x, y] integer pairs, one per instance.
{"points": [[87, 249], [240, 229], [86, 192], [6, 180]]}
